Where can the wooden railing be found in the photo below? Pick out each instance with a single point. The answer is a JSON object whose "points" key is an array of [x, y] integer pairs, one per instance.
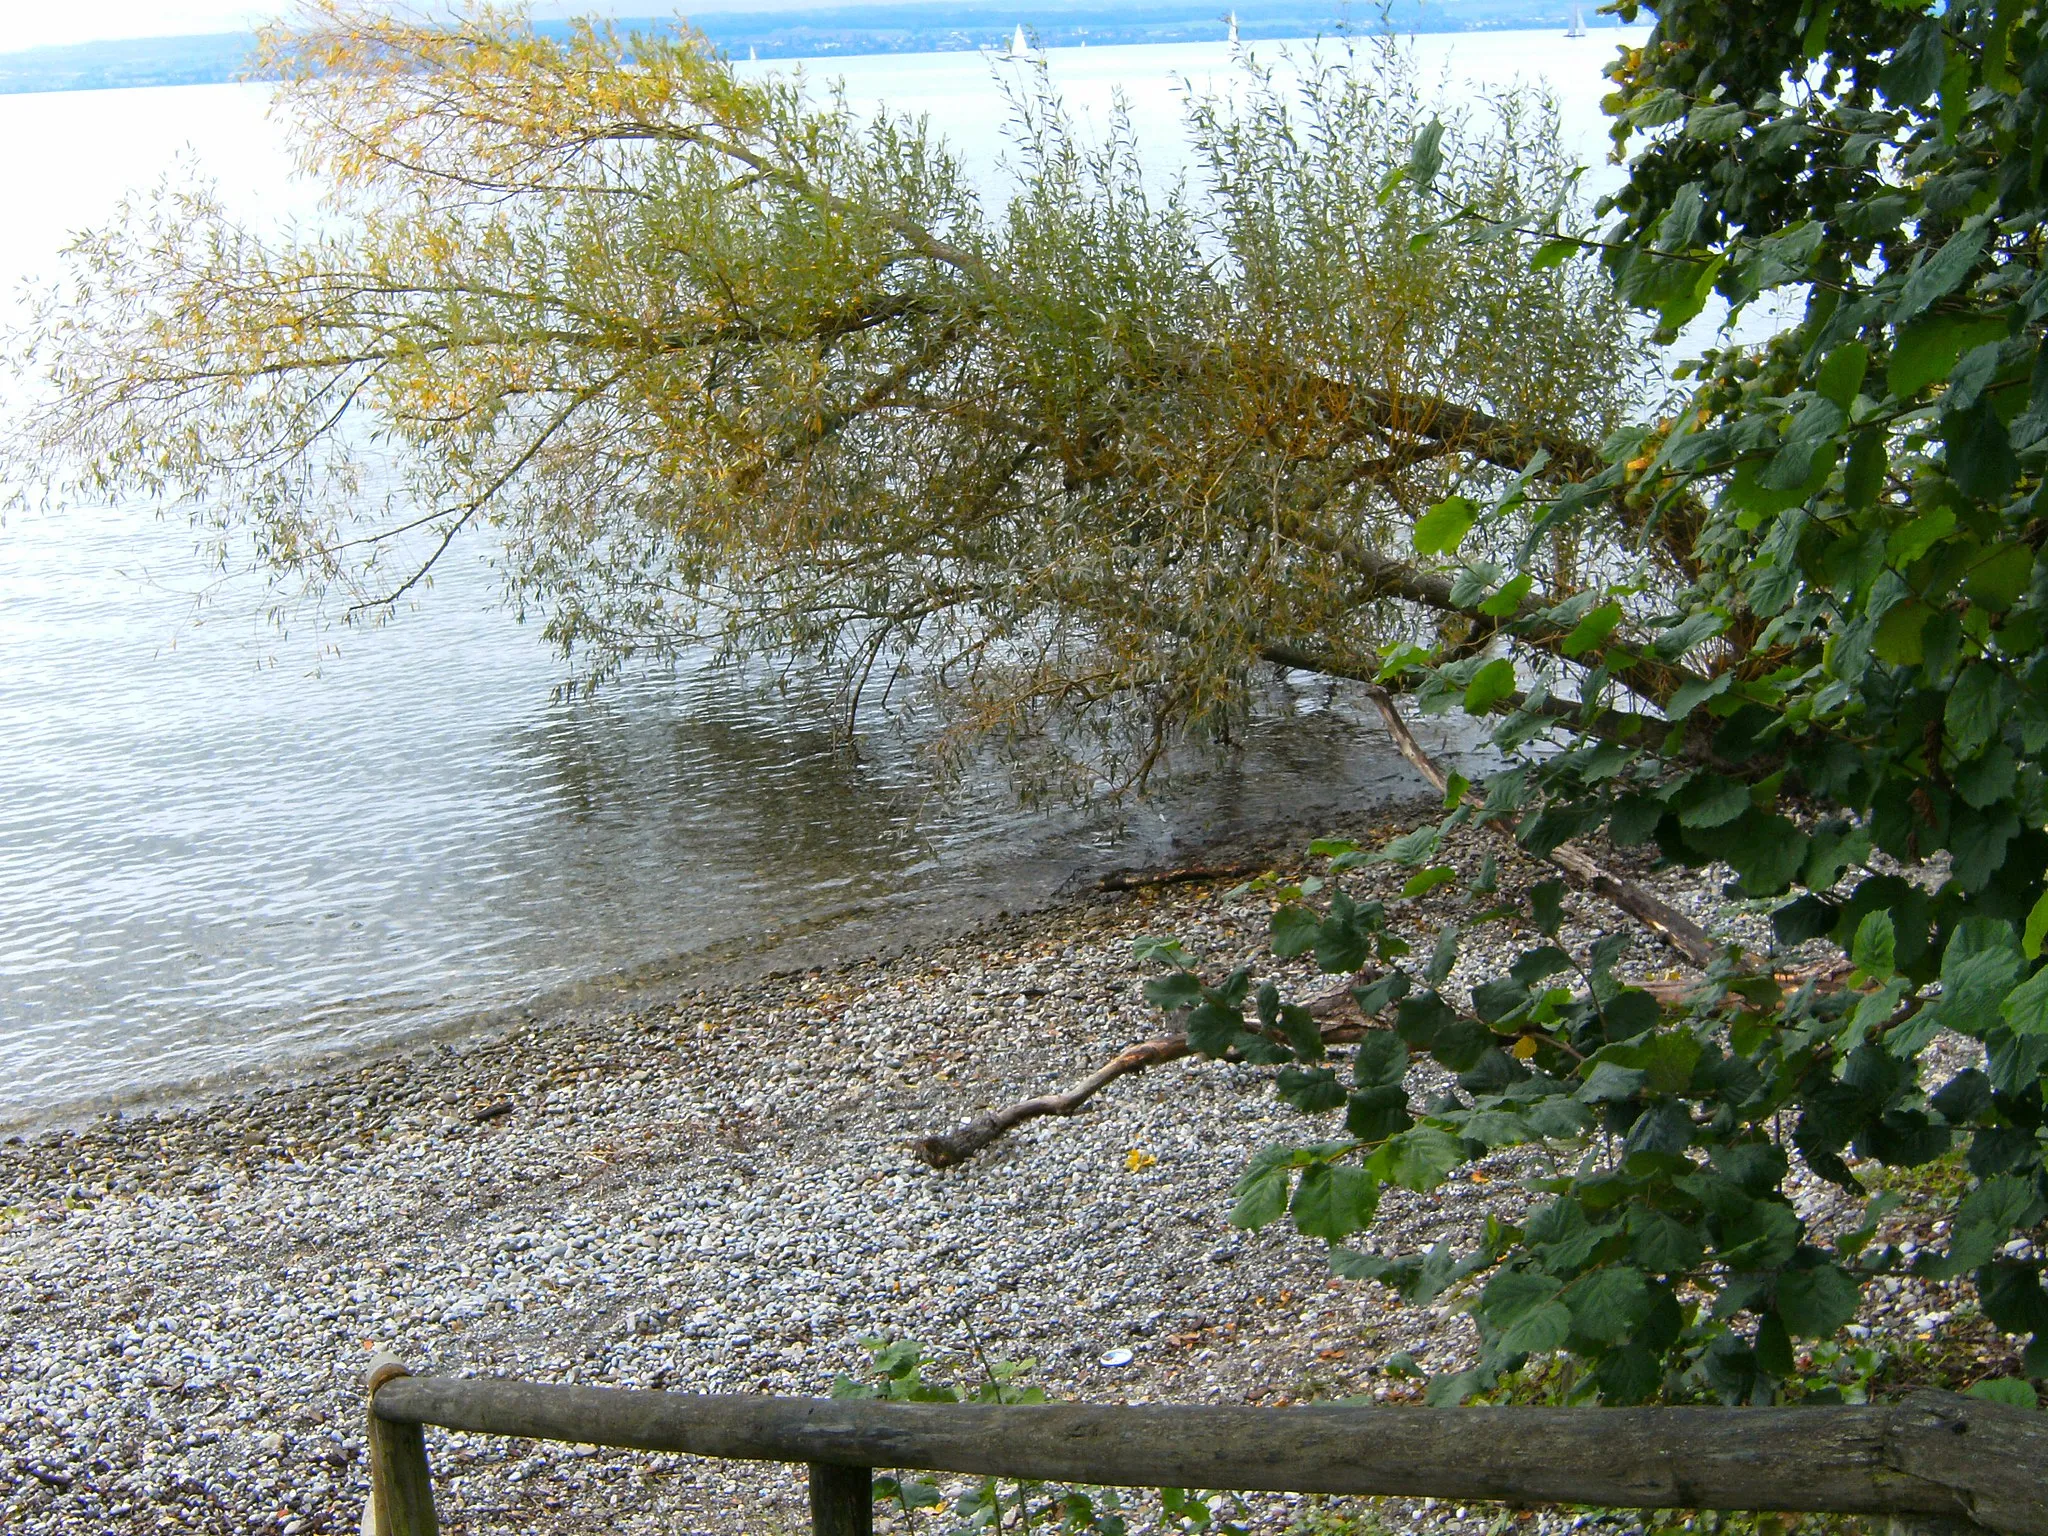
{"points": [[1933, 1460]]}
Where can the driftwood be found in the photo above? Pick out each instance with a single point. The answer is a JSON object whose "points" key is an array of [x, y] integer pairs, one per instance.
{"points": [[1137, 880], [1932, 1455], [954, 1147], [950, 1148], [1660, 917]]}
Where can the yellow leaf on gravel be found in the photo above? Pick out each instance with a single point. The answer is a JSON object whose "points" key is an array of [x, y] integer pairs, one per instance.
{"points": [[1138, 1158]]}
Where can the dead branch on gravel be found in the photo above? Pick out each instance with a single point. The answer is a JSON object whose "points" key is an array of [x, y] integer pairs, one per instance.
{"points": [[950, 1149], [1134, 880], [1660, 917], [954, 1147]]}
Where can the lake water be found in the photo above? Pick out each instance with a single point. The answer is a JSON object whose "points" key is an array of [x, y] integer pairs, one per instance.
{"points": [[224, 848]]}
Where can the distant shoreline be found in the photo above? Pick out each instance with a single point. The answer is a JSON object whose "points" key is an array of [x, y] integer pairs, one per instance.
{"points": [[839, 32]]}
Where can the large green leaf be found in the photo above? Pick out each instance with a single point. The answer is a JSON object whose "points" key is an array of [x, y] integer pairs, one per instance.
{"points": [[1490, 684], [1333, 1200], [1816, 1302], [1441, 529], [1420, 1159], [1607, 1304]]}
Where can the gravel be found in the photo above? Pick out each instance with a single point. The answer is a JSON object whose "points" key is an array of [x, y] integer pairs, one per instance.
{"points": [[708, 1193]]}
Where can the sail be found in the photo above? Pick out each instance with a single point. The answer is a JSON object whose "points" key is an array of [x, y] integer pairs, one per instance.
{"points": [[1018, 47]]}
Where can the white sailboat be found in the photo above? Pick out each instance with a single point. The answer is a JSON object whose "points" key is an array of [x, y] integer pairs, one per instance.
{"points": [[1232, 19], [1578, 26], [1019, 48], [752, 57]]}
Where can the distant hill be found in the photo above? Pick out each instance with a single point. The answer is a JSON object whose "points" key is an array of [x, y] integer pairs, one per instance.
{"points": [[855, 29]]}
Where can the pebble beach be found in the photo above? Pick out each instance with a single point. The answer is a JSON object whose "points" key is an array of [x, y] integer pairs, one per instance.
{"points": [[708, 1192]]}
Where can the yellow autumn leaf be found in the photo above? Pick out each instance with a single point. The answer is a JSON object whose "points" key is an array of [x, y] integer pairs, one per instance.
{"points": [[1138, 1158]]}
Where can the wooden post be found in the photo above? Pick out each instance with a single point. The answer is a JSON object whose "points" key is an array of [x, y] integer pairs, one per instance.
{"points": [[401, 1497], [842, 1500]]}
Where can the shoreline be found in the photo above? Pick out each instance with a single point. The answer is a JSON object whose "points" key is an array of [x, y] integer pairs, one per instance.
{"points": [[709, 1193], [869, 930]]}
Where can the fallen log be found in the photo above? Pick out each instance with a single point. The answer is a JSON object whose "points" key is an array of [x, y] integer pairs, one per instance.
{"points": [[951, 1148], [1137, 880]]}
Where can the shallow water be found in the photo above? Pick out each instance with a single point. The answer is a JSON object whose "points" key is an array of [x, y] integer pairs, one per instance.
{"points": [[223, 847]]}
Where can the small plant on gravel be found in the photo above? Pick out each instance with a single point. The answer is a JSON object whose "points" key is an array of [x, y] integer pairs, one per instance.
{"points": [[900, 1371], [1841, 704]]}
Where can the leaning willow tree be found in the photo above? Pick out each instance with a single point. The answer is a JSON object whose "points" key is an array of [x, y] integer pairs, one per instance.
{"points": [[708, 360]]}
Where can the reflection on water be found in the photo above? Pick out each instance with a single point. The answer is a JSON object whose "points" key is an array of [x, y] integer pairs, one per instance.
{"points": [[212, 859]]}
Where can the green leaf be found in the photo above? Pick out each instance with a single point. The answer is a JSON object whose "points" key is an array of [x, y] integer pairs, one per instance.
{"points": [[1512, 1294], [1978, 968], [1332, 1201], [1418, 1159], [1812, 428], [1979, 455], [2037, 929], [1444, 956], [1412, 847], [1490, 684], [1422, 883], [1972, 714], [1175, 990], [1558, 1118], [1841, 376], [1875, 947], [1496, 1128], [1441, 529], [1940, 274], [1509, 598], [1662, 1244], [1542, 1329], [1382, 1060], [1592, 630], [1553, 253], [1714, 801], [1693, 692], [1815, 1302], [2025, 1009], [1214, 1030], [1294, 930], [1262, 1190], [1426, 157], [1610, 1083], [1998, 579], [1897, 640], [1373, 1114], [2006, 1389], [1608, 1303], [1914, 70], [1715, 122], [1928, 349], [1155, 949]]}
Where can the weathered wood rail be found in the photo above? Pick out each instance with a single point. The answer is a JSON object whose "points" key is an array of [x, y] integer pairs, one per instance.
{"points": [[1934, 1459]]}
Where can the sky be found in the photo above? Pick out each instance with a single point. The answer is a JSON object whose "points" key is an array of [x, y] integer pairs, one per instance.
{"points": [[37, 24]]}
